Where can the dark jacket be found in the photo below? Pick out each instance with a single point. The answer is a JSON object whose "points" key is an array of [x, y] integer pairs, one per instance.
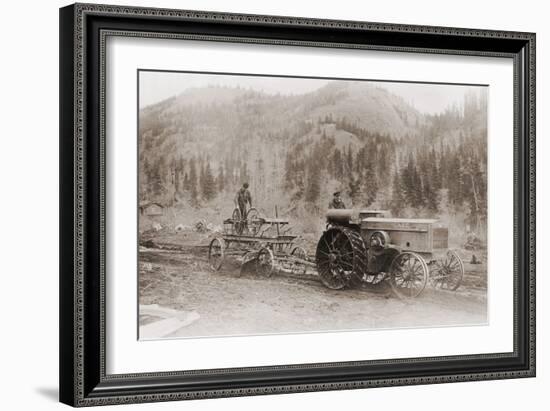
{"points": [[336, 204], [244, 197]]}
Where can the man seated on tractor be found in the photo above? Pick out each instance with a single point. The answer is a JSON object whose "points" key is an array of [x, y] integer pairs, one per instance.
{"points": [[336, 201], [242, 198]]}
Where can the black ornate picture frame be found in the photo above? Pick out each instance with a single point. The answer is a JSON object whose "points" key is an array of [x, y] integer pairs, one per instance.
{"points": [[83, 223]]}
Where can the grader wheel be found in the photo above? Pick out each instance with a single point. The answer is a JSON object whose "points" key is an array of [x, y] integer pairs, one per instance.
{"points": [[216, 253], [238, 224], [297, 266], [265, 262], [253, 221], [341, 258]]}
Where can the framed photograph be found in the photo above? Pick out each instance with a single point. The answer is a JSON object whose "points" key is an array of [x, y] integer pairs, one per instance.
{"points": [[262, 204]]}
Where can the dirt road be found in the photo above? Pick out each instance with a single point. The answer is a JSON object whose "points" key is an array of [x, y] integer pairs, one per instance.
{"points": [[233, 302]]}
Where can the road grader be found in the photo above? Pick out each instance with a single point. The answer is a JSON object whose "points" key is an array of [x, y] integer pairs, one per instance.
{"points": [[268, 242], [366, 248]]}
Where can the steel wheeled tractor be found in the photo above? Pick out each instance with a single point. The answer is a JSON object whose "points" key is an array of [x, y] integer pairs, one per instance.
{"points": [[365, 248]]}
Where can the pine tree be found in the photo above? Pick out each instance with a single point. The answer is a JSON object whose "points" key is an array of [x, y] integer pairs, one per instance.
{"points": [[201, 177], [360, 160], [456, 181], [408, 181], [290, 174], [472, 179], [349, 160], [220, 180], [186, 186], [383, 164], [208, 183], [435, 175], [337, 165], [228, 171], [431, 199], [192, 184], [398, 195], [354, 189], [370, 185], [313, 188], [144, 180], [180, 171], [417, 189], [155, 182]]}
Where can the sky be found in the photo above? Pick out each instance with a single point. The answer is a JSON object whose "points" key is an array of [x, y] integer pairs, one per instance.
{"points": [[427, 98]]}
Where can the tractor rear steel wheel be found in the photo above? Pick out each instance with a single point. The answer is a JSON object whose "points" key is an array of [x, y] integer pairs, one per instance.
{"points": [[341, 258], [408, 274]]}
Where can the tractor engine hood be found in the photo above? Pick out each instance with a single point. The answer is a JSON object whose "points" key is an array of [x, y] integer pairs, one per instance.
{"points": [[348, 216]]}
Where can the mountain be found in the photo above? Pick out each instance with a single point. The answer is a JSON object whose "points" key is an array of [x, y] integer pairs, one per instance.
{"points": [[210, 121], [370, 107], [294, 149]]}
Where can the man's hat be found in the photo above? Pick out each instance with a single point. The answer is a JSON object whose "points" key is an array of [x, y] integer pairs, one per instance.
{"points": [[336, 193], [245, 185]]}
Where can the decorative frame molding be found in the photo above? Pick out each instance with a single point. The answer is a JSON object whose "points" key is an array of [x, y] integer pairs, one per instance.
{"points": [[83, 32]]}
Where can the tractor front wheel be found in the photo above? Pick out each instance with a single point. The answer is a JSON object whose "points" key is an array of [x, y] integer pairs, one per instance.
{"points": [[408, 274]]}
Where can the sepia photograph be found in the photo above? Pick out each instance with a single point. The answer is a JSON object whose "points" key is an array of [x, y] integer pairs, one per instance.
{"points": [[267, 204], [277, 205]]}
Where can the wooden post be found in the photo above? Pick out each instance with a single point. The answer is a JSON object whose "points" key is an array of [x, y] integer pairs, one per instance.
{"points": [[276, 219], [279, 247]]}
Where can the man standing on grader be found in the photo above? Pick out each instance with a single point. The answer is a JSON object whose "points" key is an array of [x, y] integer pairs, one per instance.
{"points": [[242, 198]]}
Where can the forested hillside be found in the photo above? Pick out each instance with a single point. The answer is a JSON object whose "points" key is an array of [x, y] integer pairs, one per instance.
{"points": [[196, 149]]}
